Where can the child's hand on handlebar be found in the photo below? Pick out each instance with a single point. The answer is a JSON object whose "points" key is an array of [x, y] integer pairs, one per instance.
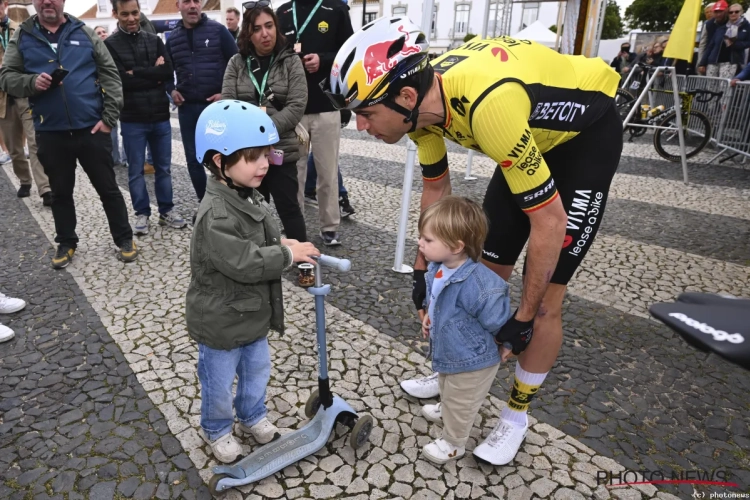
{"points": [[303, 252]]}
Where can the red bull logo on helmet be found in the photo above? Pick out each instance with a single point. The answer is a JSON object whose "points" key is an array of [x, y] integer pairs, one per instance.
{"points": [[376, 61]]}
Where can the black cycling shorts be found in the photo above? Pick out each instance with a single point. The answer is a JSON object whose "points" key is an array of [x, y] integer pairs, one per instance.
{"points": [[582, 168]]}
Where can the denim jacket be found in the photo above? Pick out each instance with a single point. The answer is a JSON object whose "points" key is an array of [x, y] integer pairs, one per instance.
{"points": [[470, 309]]}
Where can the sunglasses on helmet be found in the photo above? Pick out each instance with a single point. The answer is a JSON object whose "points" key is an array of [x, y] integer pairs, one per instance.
{"points": [[255, 3]]}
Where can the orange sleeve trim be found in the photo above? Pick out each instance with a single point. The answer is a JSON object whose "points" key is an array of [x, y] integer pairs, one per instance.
{"points": [[542, 205]]}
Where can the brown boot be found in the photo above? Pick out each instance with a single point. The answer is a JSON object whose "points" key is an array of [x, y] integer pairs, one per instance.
{"points": [[148, 168]]}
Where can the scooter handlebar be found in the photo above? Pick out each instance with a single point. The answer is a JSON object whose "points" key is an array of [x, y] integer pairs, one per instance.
{"points": [[343, 265]]}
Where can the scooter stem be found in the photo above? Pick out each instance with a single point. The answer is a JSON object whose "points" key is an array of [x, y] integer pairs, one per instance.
{"points": [[320, 291]]}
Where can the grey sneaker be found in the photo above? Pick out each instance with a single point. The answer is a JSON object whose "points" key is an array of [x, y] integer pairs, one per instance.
{"points": [[330, 238], [140, 227], [172, 219], [4, 158]]}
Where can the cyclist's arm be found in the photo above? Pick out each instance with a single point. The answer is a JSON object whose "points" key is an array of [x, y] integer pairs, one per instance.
{"points": [[436, 180], [500, 126]]}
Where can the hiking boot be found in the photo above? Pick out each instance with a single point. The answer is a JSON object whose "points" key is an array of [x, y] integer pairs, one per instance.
{"points": [[503, 443], [9, 305], [433, 413], [148, 169], [344, 207], [330, 238], [63, 257], [263, 432], [441, 451], [140, 228], [422, 388], [226, 449], [48, 198], [172, 219], [24, 191], [128, 251]]}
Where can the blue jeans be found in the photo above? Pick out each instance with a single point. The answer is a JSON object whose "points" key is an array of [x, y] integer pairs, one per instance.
{"points": [[216, 371], [312, 178], [188, 114], [158, 135]]}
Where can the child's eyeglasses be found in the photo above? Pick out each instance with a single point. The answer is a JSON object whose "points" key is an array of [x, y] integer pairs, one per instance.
{"points": [[256, 3]]}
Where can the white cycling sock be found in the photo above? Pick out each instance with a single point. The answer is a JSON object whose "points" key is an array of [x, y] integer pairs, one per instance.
{"points": [[525, 388]]}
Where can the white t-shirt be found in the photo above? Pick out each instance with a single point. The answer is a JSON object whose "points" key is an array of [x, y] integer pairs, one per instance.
{"points": [[441, 278]]}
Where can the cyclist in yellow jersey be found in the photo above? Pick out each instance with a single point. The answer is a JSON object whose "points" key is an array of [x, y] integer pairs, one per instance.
{"points": [[548, 121]]}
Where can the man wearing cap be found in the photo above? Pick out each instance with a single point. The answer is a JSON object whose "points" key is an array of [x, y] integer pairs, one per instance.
{"points": [[624, 60], [727, 41]]}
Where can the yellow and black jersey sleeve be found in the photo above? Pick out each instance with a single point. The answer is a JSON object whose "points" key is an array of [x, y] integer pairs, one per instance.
{"points": [[433, 155], [500, 126]]}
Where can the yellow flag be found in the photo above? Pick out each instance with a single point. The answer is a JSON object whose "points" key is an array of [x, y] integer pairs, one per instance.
{"points": [[682, 38]]}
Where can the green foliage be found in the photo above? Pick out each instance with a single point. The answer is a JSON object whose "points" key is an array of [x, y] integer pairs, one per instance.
{"points": [[613, 26], [653, 15], [553, 28], [468, 37]]}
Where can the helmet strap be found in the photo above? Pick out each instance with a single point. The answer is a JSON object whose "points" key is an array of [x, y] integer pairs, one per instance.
{"points": [[242, 192], [411, 115]]}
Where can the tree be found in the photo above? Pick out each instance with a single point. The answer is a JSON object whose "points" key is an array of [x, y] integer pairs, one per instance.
{"points": [[613, 26], [553, 28], [652, 15], [468, 37]]}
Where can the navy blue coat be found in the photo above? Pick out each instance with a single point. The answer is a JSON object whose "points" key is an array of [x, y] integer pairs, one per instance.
{"points": [[716, 34]]}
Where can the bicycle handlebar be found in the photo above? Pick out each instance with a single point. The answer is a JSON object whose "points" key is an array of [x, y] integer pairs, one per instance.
{"points": [[701, 92]]}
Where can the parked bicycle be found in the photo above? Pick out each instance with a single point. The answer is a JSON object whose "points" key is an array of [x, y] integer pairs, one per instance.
{"points": [[697, 128]]}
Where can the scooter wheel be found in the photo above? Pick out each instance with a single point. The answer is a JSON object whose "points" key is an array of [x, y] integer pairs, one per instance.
{"points": [[361, 431], [313, 404], [213, 484]]}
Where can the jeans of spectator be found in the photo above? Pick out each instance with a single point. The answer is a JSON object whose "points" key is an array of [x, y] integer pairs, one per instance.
{"points": [[116, 157], [59, 152], [216, 371], [281, 183], [158, 136], [188, 114], [312, 178]]}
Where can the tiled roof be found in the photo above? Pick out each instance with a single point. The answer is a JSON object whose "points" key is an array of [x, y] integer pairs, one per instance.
{"points": [[18, 13], [89, 14]]}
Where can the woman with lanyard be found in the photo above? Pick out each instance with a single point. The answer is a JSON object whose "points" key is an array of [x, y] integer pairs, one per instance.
{"points": [[268, 74]]}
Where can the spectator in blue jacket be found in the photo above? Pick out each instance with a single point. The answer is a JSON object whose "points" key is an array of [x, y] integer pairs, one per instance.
{"points": [[200, 49], [73, 119], [728, 36]]}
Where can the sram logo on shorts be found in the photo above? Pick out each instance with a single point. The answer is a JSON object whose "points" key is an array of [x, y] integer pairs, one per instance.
{"points": [[719, 335]]}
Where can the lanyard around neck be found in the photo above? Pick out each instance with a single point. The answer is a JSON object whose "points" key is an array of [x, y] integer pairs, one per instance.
{"points": [[307, 21], [5, 37], [260, 88]]}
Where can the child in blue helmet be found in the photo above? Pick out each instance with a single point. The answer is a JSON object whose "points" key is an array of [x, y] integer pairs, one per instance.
{"points": [[237, 258]]}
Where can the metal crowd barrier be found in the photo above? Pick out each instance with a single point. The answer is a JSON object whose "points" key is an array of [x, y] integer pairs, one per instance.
{"points": [[735, 132], [714, 109]]}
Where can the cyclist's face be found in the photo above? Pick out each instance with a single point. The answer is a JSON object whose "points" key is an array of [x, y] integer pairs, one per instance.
{"points": [[382, 123]]}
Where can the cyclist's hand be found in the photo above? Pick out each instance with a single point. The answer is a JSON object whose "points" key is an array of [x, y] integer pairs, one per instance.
{"points": [[517, 333], [419, 291]]}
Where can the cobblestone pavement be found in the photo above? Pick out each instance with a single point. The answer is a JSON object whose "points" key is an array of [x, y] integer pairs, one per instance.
{"points": [[598, 410]]}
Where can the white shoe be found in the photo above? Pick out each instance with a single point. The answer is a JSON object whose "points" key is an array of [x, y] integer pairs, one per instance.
{"points": [[6, 333], [226, 449], [140, 228], [433, 413], [263, 432], [441, 451], [502, 444], [422, 388], [10, 305]]}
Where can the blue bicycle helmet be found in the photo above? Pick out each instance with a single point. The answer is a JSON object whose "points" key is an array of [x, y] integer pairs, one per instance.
{"points": [[228, 126]]}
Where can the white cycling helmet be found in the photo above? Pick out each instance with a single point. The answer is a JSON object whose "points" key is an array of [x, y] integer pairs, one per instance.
{"points": [[371, 63]]}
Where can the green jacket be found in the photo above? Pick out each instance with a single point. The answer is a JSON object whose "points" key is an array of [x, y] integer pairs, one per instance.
{"points": [[236, 261]]}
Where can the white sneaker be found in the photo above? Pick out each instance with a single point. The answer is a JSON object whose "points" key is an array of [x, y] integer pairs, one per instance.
{"points": [[140, 228], [6, 333], [441, 451], [422, 388], [263, 432], [502, 444], [433, 413], [10, 305], [226, 449]]}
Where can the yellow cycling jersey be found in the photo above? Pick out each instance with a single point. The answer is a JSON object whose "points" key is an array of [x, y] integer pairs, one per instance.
{"points": [[514, 100]]}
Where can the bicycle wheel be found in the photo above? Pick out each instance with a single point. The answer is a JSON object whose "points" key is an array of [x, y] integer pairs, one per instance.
{"points": [[697, 133], [623, 101]]}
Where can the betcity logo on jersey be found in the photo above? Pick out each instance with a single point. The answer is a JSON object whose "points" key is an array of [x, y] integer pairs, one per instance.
{"points": [[564, 111], [583, 211]]}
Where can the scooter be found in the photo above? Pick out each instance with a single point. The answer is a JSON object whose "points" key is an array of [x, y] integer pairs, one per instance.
{"points": [[324, 407], [710, 323]]}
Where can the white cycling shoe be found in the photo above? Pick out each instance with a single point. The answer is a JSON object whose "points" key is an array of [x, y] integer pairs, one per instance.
{"points": [[422, 388]]}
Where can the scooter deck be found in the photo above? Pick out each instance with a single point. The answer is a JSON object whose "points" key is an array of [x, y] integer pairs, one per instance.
{"points": [[288, 449]]}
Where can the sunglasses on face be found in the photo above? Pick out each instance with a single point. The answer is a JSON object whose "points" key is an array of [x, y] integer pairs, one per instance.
{"points": [[735, 12], [256, 3]]}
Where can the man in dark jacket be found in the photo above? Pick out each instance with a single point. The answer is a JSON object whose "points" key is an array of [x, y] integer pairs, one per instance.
{"points": [[73, 119], [317, 29], [624, 60], [144, 66], [200, 49], [728, 36]]}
